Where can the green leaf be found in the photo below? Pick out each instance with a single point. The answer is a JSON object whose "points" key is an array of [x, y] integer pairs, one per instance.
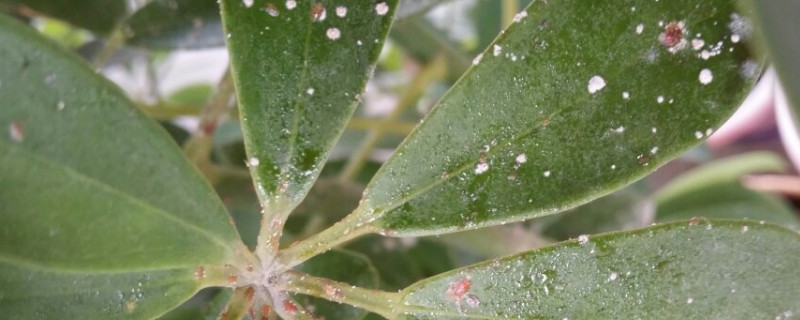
{"points": [[721, 270], [625, 209], [207, 304], [95, 15], [169, 24], [343, 266], [727, 201], [778, 27], [549, 119], [727, 170], [714, 191], [296, 90], [102, 217], [401, 262]]}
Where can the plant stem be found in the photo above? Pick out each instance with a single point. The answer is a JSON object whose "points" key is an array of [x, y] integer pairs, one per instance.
{"points": [[380, 302], [403, 128], [115, 40], [198, 147], [237, 306], [510, 9], [431, 72], [349, 228]]}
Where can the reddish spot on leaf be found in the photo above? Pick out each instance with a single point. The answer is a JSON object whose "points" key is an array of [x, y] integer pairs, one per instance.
{"points": [[16, 131], [249, 293], [459, 289], [264, 312], [289, 307], [200, 272], [232, 279], [209, 128], [318, 12], [673, 33]]}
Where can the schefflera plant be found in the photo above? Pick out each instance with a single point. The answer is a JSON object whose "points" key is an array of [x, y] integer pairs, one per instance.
{"points": [[574, 100]]}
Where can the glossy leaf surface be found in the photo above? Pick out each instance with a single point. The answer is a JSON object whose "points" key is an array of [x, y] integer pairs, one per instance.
{"points": [[299, 67], [674, 271], [101, 216], [572, 102]]}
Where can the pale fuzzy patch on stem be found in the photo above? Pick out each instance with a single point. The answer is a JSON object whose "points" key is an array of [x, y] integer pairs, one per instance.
{"points": [[380, 302]]}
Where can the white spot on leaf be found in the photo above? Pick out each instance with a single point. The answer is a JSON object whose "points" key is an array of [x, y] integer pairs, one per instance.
{"points": [[481, 168], [596, 83], [706, 76], [341, 11], [382, 8], [477, 59], [333, 33], [519, 16], [497, 50]]}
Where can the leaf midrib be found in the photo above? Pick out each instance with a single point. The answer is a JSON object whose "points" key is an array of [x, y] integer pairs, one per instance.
{"points": [[501, 145], [91, 181]]}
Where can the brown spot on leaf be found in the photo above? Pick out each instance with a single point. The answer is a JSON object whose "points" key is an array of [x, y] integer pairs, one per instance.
{"points": [[318, 12]]}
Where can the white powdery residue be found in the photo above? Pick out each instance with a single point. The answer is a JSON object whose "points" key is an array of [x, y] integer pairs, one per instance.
{"points": [[310, 91], [60, 105], [735, 38], [521, 158], [596, 83], [660, 99], [706, 76], [477, 59], [333, 33], [546, 174], [639, 28], [272, 10], [654, 150], [497, 50], [613, 276], [358, 42], [698, 134], [519, 16], [620, 129], [653, 129], [382, 8], [481, 168], [709, 131], [626, 95], [248, 3], [613, 167], [291, 4], [583, 239], [253, 162], [739, 25], [698, 44], [341, 11]]}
